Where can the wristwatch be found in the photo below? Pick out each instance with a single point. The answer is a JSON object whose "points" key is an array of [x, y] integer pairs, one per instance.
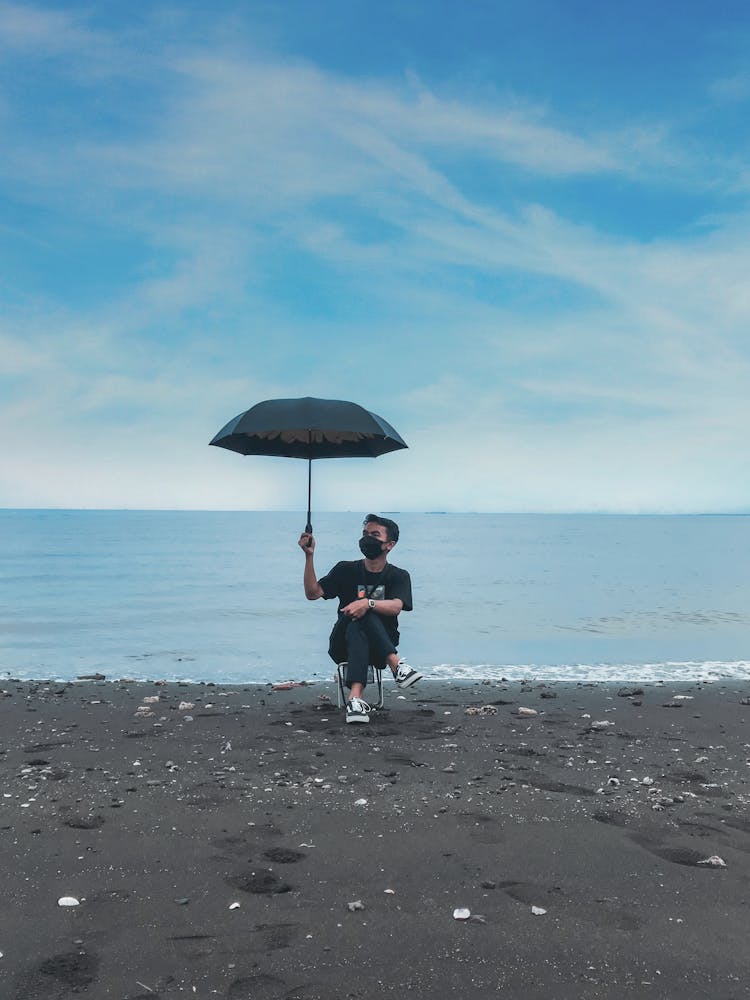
{"points": [[371, 602]]}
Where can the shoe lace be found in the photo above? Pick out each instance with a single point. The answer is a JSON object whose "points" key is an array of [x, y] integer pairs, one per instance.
{"points": [[358, 705]]}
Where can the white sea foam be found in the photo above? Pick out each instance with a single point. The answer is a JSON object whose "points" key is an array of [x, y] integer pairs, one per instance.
{"points": [[646, 673], [707, 671]]}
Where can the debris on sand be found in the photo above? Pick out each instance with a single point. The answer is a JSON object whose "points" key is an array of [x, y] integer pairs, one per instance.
{"points": [[713, 862], [156, 822]]}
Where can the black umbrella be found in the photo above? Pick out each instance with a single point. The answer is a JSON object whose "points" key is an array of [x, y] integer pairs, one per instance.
{"points": [[309, 428]]}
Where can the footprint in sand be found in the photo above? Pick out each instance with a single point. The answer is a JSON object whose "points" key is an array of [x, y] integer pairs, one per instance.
{"points": [[257, 987], [261, 883], [676, 855], [59, 975], [284, 855]]}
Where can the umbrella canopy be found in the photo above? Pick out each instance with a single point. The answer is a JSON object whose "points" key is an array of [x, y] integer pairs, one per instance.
{"points": [[309, 428]]}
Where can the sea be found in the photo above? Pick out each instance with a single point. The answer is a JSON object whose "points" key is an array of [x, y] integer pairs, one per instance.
{"points": [[217, 596]]}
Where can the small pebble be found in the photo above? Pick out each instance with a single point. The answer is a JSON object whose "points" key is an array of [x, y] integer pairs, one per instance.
{"points": [[713, 862]]}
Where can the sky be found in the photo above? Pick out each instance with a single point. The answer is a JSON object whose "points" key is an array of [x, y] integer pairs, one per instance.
{"points": [[516, 229]]}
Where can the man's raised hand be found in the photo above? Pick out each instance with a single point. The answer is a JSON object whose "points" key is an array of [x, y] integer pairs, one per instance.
{"points": [[307, 542]]}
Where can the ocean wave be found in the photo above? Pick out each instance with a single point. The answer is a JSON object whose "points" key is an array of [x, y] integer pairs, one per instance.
{"points": [[672, 671]]}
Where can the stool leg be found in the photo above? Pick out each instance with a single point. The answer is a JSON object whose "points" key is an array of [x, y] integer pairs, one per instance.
{"points": [[379, 687], [340, 675]]}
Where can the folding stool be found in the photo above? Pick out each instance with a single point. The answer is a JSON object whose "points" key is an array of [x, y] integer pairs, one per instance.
{"points": [[374, 676]]}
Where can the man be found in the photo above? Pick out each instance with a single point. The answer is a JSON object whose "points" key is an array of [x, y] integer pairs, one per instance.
{"points": [[371, 593]]}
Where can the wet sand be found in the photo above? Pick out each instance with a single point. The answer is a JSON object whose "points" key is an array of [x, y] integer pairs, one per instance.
{"points": [[253, 847]]}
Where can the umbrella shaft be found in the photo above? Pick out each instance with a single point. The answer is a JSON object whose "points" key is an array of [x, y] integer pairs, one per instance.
{"points": [[308, 526]]}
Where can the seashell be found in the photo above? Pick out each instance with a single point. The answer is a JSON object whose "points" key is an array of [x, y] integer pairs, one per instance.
{"points": [[713, 862], [68, 901], [234, 906], [538, 911], [461, 913]]}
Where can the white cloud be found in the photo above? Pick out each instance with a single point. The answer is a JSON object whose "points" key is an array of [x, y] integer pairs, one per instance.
{"points": [[734, 88], [40, 32], [614, 369]]}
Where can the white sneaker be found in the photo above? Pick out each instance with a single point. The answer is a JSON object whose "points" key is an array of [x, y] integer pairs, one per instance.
{"points": [[357, 710], [406, 675]]}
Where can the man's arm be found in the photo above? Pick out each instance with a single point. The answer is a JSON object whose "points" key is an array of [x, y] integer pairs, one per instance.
{"points": [[313, 590], [360, 607], [389, 607]]}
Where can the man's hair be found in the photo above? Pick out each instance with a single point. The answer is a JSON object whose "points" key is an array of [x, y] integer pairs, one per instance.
{"points": [[390, 526]]}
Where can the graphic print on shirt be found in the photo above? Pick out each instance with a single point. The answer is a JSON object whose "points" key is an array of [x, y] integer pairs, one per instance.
{"points": [[376, 591]]}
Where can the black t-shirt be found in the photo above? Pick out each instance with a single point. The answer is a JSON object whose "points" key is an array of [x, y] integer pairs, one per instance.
{"points": [[347, 579]]}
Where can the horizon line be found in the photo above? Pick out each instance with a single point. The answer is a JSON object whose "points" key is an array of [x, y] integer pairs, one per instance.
{"points": [[741, 512]]}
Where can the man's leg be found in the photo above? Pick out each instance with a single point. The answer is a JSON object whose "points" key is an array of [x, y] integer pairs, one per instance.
{"points": [[358, 658], [380, 645], [382, 650]]}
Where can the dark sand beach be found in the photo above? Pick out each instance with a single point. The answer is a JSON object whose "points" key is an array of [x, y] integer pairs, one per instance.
{"points": [[253, 847]]}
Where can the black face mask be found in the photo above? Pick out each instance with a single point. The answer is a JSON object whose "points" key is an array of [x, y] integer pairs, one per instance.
{"points": [[370, 547]]}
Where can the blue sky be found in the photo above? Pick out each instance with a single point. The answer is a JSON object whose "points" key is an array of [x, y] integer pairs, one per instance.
{"points": [[516, 230]]}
